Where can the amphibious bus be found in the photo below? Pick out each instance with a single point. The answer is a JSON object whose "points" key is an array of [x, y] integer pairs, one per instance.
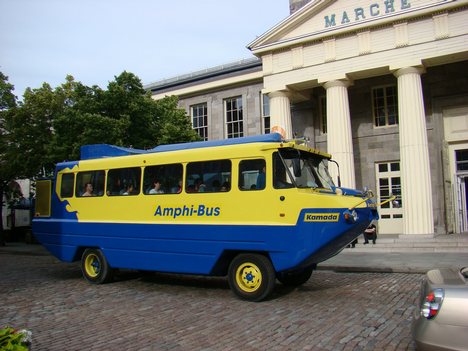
{"points": [[254, 209]]}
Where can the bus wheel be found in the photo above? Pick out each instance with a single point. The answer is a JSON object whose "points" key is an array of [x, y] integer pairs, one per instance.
{"points": [[95, 267], [294, 278], [251, 277]]}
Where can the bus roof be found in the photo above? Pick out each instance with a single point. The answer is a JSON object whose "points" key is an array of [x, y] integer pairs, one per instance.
{"points": [[94, 151]]}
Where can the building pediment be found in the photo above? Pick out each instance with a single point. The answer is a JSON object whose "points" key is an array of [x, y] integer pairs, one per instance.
{"points": [[324, 18]]}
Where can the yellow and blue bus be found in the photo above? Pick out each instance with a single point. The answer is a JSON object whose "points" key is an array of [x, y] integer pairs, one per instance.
{"points": [[254, 209]]}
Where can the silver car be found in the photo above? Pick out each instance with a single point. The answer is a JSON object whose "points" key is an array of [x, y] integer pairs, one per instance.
{"points": [[441, 319]]}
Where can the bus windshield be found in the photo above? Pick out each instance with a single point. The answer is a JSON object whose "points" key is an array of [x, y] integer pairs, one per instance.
{"points": [[304, 169]]}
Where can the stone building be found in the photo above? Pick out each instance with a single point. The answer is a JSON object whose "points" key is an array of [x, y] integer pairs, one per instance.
{"points": [[381, 85]]}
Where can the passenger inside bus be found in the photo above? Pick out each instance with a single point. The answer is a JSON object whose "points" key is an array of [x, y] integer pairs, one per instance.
{"points": [[88, 190], [156, 189], [129, 191], [261, 179], [225, 187]]}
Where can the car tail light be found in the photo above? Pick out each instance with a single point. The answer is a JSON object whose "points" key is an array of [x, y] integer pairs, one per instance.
{"points": [[432, 303]]}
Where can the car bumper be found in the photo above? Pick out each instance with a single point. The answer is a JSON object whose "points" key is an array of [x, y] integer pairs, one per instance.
{"points": [[429, 335]]}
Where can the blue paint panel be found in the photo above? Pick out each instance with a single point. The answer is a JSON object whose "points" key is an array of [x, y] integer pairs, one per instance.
{"points": [[104, 150], [195, 248]]}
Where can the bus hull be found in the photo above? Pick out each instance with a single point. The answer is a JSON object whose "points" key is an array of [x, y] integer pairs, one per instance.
{"points": [[198, 248]]}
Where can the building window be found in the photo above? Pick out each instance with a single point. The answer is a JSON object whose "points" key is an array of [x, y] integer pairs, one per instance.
{"points": [[385, 106], [462, 160], [266, 113], [200, 120], [234, 113], [389, 184], [323, 114]]}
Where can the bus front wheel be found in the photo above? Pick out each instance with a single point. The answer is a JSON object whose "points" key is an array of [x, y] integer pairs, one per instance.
{"points": [[251, 277], [95, 267]]}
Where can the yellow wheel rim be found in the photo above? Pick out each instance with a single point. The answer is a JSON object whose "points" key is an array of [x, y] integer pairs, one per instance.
{"points": [[248, 277], [92, 265]]}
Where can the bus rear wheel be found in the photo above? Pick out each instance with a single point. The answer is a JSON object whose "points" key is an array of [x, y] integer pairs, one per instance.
{"points": [[95, 267], [251, 277]]}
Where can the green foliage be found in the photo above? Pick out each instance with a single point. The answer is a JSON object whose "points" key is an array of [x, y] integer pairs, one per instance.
{"points": [[7, 102], [7, 98], [50, 125], [11, 340], [174, 126]]}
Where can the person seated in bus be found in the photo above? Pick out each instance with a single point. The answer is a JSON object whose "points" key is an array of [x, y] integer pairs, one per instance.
{"points": [[88, 190], [200, 187], [115, 188], [261, 179], [179, 188], [129, 191], [225, 187], [190, 188], [156, 189]]}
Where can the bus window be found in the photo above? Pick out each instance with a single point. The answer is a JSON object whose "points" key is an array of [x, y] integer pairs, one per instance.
{"points": [[66, 188], [123, 181], [163, 179], [302, 169], [208, 176], [252, 175], [90, 183]]}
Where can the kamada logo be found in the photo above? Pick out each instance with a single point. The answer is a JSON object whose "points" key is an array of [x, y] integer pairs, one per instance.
{"points": [[321, 217]]}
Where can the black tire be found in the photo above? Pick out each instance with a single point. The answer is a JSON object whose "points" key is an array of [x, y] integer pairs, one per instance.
{"points": [[251, 277], [294, 278], [95, 267]]}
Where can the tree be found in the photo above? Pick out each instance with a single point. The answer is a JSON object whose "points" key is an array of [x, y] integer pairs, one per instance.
{"points": [[173, 124], [7, 172], [30, 127], [50, 125], [123, 115]]}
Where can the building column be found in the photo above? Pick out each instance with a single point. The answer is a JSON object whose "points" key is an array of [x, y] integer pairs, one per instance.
{"points": [[339, 135], [414, 154], [280, 114]]}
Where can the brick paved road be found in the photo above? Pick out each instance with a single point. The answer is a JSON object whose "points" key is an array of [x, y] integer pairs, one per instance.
{"points": [[333, 311]]}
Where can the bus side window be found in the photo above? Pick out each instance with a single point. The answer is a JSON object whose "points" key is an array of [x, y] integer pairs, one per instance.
{"points": [[90, 183], [163, 179], [252, 174], [123, 181], [66, 187], [208, 176]]}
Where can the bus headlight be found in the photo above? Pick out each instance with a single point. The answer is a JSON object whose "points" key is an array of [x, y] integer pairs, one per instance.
{"points": [[350, 216]]}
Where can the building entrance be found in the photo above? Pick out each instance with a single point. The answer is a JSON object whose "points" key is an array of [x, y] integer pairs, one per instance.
{"points": [[388, 184], [462, 213], [461, 190]]}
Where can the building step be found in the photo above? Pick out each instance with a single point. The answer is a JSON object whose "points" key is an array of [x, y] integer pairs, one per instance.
{"points": [[414, 243]]}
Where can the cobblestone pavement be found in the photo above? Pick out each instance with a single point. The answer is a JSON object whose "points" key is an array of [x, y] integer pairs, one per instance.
{"points": [[332, 311]]}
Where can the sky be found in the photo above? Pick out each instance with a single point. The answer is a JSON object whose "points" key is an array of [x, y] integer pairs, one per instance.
{"points": [[96, 40]]}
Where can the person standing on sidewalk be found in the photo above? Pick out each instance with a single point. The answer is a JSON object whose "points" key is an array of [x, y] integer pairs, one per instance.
{"points": [[370, 234]]}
